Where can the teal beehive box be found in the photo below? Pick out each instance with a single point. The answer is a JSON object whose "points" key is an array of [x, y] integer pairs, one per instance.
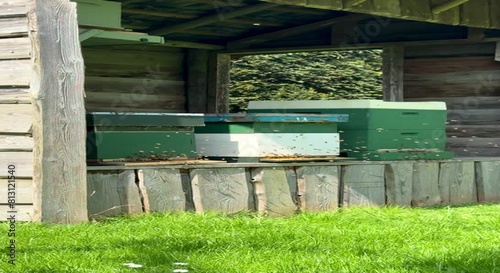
{"points": [[378, 130], [141, 136]]}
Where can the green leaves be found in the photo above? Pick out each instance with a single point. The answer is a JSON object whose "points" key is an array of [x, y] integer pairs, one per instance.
{"points": [[306, 76]]}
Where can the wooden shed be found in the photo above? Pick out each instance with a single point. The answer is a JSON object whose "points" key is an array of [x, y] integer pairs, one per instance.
{"points": [[61, 59]]}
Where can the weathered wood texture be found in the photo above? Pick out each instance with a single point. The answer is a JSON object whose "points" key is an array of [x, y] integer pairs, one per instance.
{"points": [[60, 175], [425, 186], [22, 160], [488, 181], [197, 80], [318, 188], [24, 191], [399, 183], [10, 143], [466, 77], [152, 82], [164, 190], [14, 96], [15, 48], [15, 73], [457, 183], [16, 118], [23, 213], [218, 84], [225, 190], [363, 185], [476, 13], [112, 193], [275, 191], [392, 73]]}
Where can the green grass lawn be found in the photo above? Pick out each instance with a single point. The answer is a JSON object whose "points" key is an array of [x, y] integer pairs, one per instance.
{"points": [[465, 239]]}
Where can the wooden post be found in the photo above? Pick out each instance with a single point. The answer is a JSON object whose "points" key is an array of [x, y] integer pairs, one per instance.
{"points": [[392, 73], [218, 84], [197, 80], [60, 173]]}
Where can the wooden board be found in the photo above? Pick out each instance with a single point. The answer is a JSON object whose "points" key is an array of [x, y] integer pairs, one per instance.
{"points": [[16, 118], [450, 64], [13, 27], [9, 143], [318, 188], [13, 8], [226, 190], [392, 73], [24, 213], [363, 185], [112, 193], [197, 80], [457, 184], [487, 180], [23, 161], [15, 73], [23, 190], [472, 49], [15, 48], [300, 159], [274, 189], [399, 183], [164, 190], [425, 189], [14, 96]]}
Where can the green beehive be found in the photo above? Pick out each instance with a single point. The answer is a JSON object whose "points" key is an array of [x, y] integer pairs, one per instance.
{"points": [[141, 136], [378, 130]]}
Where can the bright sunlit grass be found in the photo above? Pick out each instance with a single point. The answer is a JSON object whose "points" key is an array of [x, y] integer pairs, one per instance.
{"points": [[463, 239]]}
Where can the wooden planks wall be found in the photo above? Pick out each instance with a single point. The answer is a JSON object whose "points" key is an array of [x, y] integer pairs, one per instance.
{"points": [[467, 78], [16, 142], [134, 79]]}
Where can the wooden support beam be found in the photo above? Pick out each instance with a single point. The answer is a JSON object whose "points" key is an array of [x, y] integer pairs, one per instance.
{"points": [[158, 13], [447, 5], [392, 73], [295, 30], [218, 83], [184, 44], [60, 174], [197, 80], [210, 19]]}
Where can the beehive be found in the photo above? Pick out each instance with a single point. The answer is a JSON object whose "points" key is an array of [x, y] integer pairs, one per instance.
{"points": [[378, 130], [141, 136], [250, 137]]}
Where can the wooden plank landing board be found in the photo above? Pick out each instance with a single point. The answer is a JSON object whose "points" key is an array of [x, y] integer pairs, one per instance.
{"points": [[318, 188], [399, 183], [274, 189], [363, 185], [457, 184], [112, 193], [23, 161], [164, 190], [425, 189], [226, 190], [488, 181]]}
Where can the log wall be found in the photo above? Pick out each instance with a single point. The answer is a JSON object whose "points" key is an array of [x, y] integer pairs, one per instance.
{"points": [[16, 142], [134, 79], [467, 78], [285, 189]]}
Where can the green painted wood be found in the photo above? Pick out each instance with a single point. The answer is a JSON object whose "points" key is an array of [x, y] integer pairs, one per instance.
{"points": [[414, 9], [143, 119], [140, 145], [425, 190], [363, 185], [494, 14], [387, 7], [451, 16], [457, 184], [475, 13], [97, 13], [399, 183], [275, 127]]}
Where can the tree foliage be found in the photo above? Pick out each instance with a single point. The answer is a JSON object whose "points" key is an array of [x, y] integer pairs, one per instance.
{"points": [[306, 76]]}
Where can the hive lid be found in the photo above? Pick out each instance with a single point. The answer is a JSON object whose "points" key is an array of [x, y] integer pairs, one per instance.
{"points": [[320, 118], [277, 106], [144, 119]]}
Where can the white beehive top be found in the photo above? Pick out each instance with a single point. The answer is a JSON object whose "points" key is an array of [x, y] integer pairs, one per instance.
{"points": [[346, 104]]}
